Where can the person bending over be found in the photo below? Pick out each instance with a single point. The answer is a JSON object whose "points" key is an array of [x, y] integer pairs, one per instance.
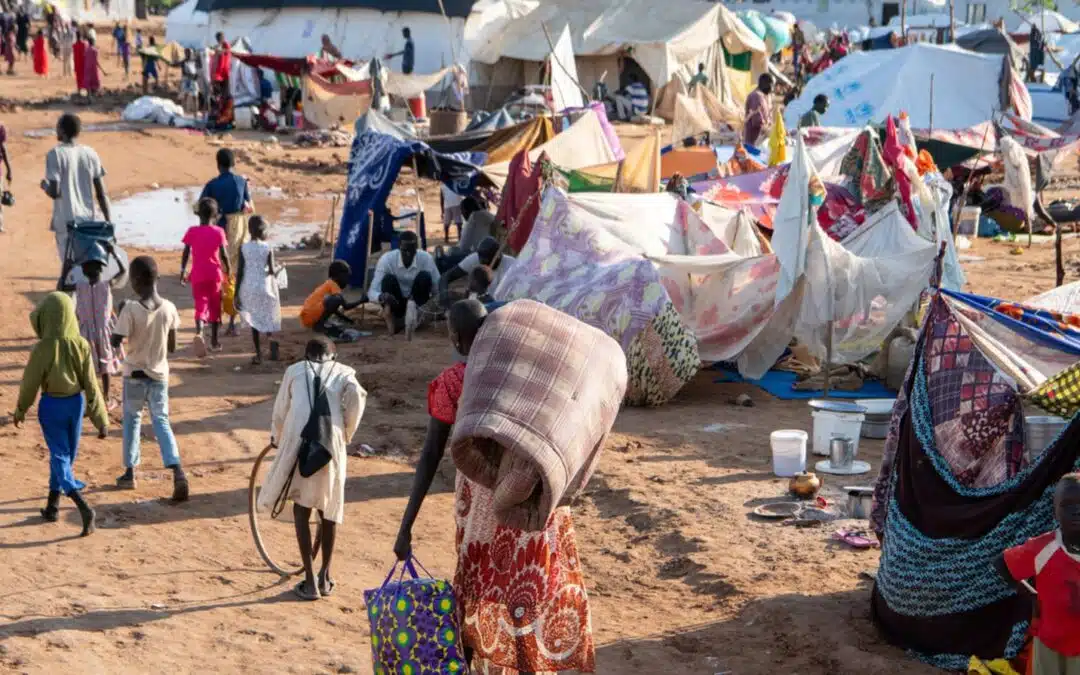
{"points": [[324, 310], [487, 254], [403, 282]]}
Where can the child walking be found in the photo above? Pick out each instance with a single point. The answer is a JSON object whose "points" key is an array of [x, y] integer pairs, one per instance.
{"points": [[94, 311], [149, 324], [204, 245], [257, 295], [61, 366]]}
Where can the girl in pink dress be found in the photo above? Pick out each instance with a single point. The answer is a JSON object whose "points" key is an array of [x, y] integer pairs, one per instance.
{"points": [[204, 245]]}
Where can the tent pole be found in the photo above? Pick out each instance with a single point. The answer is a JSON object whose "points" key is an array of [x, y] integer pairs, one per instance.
{"points": [[551, 45], [828, 358], [615, 187], [967, 185], [931, 104], [903, 20], [1059, 263]]}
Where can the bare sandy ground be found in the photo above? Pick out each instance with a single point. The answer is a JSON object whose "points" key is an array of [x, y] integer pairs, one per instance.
{"points": [[682, 579]]}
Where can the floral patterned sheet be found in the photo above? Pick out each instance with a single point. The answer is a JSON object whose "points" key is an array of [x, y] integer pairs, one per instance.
{"points": [[616, 262]]}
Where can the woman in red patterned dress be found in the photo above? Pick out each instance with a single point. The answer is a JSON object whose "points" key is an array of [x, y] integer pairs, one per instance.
{"points": [[522, 593]]}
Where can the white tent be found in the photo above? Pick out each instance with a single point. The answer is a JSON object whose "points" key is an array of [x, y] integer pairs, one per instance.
{"points": [[188, 26], [663, 39], [361, 29], [867, 87], [1049, 21], [95, 10]]}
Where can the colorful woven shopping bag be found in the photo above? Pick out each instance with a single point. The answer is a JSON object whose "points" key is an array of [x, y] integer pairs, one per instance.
{"points": [[414, 625]]}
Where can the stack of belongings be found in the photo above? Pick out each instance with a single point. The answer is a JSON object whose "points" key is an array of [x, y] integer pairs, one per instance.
{"points": [[980, 434], [541, 393]]}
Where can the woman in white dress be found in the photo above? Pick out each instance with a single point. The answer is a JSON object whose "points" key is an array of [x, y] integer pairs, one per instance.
{"points": [[257, 295], [302, 411]]}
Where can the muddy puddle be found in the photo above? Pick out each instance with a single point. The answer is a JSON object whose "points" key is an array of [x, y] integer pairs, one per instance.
{"points": [[158, 219]]}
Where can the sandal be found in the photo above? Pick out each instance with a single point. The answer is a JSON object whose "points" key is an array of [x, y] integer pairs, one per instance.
{"points": [[326, 587], [855, 539], [198, 345], [300, 591]]}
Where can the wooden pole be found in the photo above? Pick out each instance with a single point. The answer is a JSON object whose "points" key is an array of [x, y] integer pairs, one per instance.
{"points": [[1058, 260], [952, 21], [903, 20], [828, 358]]}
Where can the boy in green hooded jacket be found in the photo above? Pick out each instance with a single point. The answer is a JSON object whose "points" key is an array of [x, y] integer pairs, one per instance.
{"points": [[61, 366]]}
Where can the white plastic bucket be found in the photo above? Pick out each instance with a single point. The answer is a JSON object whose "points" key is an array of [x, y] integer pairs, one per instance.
{"points": [[788, 451], [828, 423]]}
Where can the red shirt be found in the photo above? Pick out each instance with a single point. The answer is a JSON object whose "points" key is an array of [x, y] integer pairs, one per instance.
{"points": [[1057, 578], [222, 63], [444, 392]]}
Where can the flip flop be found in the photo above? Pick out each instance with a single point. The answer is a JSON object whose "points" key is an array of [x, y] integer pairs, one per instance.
{"points": [[855, 539], [299, 591], [326, 589]]}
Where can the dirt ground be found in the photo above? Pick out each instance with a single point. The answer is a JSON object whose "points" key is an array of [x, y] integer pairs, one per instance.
{"points": [[682, 579]]}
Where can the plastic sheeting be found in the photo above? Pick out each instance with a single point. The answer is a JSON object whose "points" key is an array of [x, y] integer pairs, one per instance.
{"points": [[565, 92], [864, 286], [157, 111], [583, 144], [1064, 299], [1017, 177], [866, 87]]}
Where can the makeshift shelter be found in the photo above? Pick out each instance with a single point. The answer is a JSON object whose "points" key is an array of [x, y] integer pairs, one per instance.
{"points": [[329, 104], [867, 87], [590, 141], [991, 41], [676, 286], [962, 479], [83, 11], [499, 143], [361, 29], [1049, 21], [379, 150], [638, 172]]}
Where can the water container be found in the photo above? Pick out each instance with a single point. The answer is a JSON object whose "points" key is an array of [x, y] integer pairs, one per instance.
{"points": [[834, 418], [788, 451]]}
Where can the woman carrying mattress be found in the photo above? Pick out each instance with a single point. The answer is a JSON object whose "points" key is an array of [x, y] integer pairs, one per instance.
{"points": [[523, 446]]}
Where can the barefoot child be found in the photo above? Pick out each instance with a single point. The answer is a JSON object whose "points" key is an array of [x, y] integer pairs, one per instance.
{"points": [[257, 295], [1053, 559], [204, 245], [149, 323], [61, 366], [324, 310], [94, 311]]}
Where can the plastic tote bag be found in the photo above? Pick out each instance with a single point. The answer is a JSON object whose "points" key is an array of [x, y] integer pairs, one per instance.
{"points": [[414, 625]]}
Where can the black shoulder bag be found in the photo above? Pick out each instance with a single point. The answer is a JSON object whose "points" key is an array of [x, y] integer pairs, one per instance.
{"points": [[314, 451]]}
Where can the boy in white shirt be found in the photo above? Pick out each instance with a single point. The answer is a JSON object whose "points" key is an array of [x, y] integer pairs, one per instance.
{"points": [[149, 323]]}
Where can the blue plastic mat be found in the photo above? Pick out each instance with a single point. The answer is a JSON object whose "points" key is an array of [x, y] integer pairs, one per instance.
{"points": [[779, 383]]}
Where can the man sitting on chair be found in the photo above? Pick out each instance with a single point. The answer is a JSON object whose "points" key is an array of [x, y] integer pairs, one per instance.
{"points": [[403, 282]]}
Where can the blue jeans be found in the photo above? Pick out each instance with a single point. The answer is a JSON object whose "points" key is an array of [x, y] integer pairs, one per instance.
{"points": [[139, 393], [61, 423]]}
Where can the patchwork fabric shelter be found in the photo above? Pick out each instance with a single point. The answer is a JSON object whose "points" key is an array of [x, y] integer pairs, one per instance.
{"points": [[378, 151], [959, 482]]}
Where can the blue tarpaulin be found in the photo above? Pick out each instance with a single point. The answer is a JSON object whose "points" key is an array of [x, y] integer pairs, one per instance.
{"points": [[378, 151]]}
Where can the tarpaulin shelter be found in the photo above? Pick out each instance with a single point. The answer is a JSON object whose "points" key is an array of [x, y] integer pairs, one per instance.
{"points": [[329, 104], [379, 150], [677, 286], [500, 143], [991, 41], [961, 479], [360, 29], [638, 172], [589, 141], [866, 87]]}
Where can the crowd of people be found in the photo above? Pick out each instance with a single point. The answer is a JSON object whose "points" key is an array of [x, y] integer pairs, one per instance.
{"points": [[84, 341]]}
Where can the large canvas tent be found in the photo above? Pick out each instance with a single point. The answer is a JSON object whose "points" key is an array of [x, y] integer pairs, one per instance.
{"points": [[361, 29], [866, 87], [507, 41], [188, 26]]}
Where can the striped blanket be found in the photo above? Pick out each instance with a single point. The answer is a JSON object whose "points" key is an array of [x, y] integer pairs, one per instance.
{"points": [[541, 394]]}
